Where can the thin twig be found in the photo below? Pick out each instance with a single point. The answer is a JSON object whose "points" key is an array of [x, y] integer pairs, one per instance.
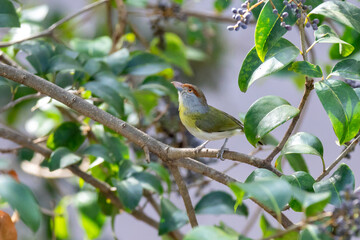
{"points": [[121, 24], [7, 60], [339, 158], [50, 30], [137, 33], [19, 100], [185, 195]]}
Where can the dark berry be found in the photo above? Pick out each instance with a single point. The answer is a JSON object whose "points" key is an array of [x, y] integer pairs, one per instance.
{"points": [[241, 11], [288, 27], [237, 17], [230, 28], [275, 11], [309, 7], [316, 21], [298, 15], [243, 26], [234, 10], [244, 5], [307, 24], [284, 14], [285, 2], [293, 5], [314, 26], [237, 28], [283, 24]]}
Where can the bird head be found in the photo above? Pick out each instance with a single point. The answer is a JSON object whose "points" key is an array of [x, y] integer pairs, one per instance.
{"points": [[191, 98]]}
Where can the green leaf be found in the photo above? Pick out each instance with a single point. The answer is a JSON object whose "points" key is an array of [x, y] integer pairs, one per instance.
{"points": [[129, 191], [260, 174], [350, 36], [61, 219], [297, 162], [342, 106], [209, 233], [39, 54], [161, 172], [218, 202], [348, 68], [306, 68], [301, 180], [171, 217], [311, 232], [68, 134], [306, 143], [8, 16], [357, 91], [117, 61], [62, 158], [338, 181], [221, 5], [325, 34], [64, 63], [273, 193], [98, 47], [145, 64], [149, 182], [160, 86], [342, 12], [268, 30], [98, 150], [266, 114], [20, 197], [269, 230], [310, 203], [279, 56], [92, 220], [174, 51], [108, 94]]}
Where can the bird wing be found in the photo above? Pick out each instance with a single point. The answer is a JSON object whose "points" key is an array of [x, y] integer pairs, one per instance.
{"points": [[218, 121]]}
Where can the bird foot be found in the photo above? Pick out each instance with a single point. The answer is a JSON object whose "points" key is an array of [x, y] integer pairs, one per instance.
{"points": [[220, 153], [198, 148]]}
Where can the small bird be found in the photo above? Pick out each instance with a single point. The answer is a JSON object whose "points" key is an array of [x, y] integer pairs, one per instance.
{"points": [[203, 121]]}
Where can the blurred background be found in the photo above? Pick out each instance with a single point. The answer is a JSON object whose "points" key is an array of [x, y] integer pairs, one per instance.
{"points": [[217, 75]]}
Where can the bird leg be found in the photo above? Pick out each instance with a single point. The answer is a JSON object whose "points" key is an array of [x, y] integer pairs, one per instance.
{"points": [[198, 148], [222, 150]]}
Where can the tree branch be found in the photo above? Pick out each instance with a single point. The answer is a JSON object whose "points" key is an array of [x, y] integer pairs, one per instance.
{"points": [[19, 100], [121, 24], [50, 30], [339, 158], [185, 195]]}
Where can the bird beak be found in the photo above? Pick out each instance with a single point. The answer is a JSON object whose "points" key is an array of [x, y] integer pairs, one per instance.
{"points": [[178, 85]]}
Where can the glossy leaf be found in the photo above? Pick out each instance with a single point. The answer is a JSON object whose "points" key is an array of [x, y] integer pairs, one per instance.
{"points": [[161, 172], [348, 68], [350, 36], [268, 30], [92, 220], [311, 232], [108, 94], [269, 230], [39, 54], [149, 182], [279, 56], [159, 85], [266, 114], [357, 91], [338, 181], [301, 180], [297, 162], [145, 64], [260, 174], [117, 61], [64, 63], [171, 217], [209, 233], [98, 47], [342, 12], [61, 158], [174, 51], [273, 193], [20, 197], [325, 34], [98, 150], [304, 143], [306, 68], [342, 106], [310, 203], [8, 16], [68, 135], [218, 202], [129, 191]]}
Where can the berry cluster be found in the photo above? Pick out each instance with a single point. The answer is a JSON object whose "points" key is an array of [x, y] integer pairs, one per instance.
{"points": [[296, 7], [345, 220], [242, 16]]}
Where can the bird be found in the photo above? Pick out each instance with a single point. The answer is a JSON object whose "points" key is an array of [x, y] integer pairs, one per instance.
{"points": [[203, 121]]}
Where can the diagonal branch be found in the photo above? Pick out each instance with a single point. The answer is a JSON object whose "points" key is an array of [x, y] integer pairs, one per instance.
{"points": [[19, 100], [184, 194], [50, 30]]}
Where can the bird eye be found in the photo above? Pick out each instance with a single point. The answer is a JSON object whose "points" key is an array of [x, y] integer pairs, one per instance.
{"points": [[190, 90]]}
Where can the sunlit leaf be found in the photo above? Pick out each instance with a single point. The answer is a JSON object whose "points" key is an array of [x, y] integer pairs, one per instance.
{"points": [[171, 217], [306, 68], [348, 68], [62, 157]]}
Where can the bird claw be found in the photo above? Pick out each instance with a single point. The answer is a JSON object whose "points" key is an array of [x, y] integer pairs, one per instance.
{"points": [[198, 149], [220, 153]]}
